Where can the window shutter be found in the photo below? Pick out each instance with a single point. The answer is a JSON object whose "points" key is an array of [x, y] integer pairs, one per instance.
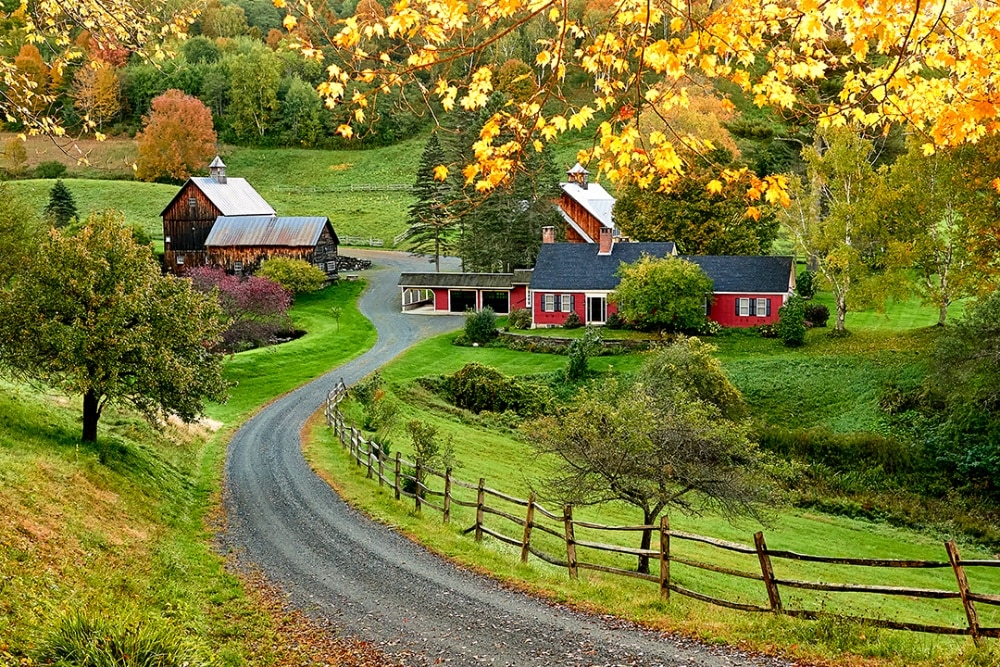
{"points": [[737, 301], [768, 302], [753, 307]]}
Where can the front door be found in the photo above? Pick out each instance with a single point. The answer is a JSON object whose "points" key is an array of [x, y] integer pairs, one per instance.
{"points": [[597, 309]]}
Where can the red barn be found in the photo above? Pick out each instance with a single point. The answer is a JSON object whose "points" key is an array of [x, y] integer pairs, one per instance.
{"points": [[586, 207], [570, 277]]}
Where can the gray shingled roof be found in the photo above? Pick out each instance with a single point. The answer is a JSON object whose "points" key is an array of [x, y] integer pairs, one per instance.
{"points": [[737, 274], [456, 280], [234, 197], [578, 267], [266, 230]]}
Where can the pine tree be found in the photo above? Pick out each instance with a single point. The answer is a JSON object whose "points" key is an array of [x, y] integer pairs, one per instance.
{"points": [[61, 207], [430, 221]]}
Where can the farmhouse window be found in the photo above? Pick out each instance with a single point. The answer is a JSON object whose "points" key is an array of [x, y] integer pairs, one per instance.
{"points": [[567, 303], [743, 308], [548, 303], [763, 307]]}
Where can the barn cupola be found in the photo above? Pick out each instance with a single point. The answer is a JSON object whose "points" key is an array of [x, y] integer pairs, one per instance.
{"points": [[217, 170], [578, 175]]}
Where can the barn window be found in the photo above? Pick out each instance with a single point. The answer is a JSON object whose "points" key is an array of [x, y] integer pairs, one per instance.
{"points": [[237, 267], [192, 202], [179, 259]]}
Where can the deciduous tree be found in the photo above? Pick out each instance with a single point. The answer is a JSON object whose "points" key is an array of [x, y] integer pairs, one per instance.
{"points": [[177, 140], [653, 448], [20, 232], [97, 92], [253, 93], [663, 294], [92, 315]]}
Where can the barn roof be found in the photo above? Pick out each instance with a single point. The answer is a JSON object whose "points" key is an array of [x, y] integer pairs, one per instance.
{"points": [[594, 198], [233, 197], [267, 230], [578, 266], [457, 280]]}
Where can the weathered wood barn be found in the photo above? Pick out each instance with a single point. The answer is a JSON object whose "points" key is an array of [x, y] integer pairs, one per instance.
{"points": [[220, 221], [239, 244]]}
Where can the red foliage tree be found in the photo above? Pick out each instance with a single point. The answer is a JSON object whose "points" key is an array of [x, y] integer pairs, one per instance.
{"points": [[178, 138], [257, 308]]}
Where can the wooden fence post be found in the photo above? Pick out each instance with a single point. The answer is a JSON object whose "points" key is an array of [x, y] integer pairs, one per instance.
{"points": [[447, 495], [371, 451], [570, 541], [963, 590], [480, 501], [417, 489], [664, 557], [398, 471], [767, 571], [528, 521], [381, 468]]}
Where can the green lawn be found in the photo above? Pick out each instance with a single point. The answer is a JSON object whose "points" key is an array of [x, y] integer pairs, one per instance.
{"points": [[263, 374]]}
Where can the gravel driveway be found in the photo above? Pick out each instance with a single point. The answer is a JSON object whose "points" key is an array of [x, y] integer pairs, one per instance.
{"points": [[369, 582]]}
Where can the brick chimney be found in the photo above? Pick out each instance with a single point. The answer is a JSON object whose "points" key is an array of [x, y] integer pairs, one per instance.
{"points": [[548, 234], [606, 241], [217, 170]]}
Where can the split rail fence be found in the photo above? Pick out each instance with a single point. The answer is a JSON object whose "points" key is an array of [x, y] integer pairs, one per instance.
{"points": [[552, 537]]}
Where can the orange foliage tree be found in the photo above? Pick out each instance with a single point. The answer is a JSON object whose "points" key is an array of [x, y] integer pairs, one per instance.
{"points": [[178, 138], [97, 92]]}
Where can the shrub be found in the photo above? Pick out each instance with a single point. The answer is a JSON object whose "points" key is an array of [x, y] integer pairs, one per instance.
{"points": [[295, 275], [791, 327], [572, 321], [840, 451], [817, 314], [257, 308], [477, 387], [805, 284], [480, 327], [520, 319], [614, 321], [710, 328], [579, 351], [767, 331], [50, 169]]}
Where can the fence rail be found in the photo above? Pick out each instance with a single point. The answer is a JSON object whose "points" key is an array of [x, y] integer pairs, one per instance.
{"points": [[346, 187], [410, 479]]}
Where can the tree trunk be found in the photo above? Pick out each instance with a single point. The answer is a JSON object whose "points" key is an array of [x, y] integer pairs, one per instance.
{"points": [[91, 413], [841, 313], [647, 539], [942, 314]]}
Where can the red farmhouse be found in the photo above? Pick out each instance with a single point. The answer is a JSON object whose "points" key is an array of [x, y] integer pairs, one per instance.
{"points": [[571, 277]]}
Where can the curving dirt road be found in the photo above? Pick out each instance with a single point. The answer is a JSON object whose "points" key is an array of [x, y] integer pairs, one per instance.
{"points": [[369, 582]]}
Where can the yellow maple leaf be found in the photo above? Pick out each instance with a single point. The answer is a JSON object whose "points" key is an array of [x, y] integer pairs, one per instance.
{"points": [[714, 186], [996, 184], [289, 23], [928, 149], [440, 172]]}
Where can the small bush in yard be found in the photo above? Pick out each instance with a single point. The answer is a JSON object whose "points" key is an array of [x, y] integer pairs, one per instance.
{"points": [[614, 321], [579, 351], [520, 319], [480, 327], [50, 169], [791, 327], [817, 314], [572, 321], [295, 275], [477, 387]]}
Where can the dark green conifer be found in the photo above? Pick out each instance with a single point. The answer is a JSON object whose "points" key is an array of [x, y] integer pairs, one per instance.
{"points": [[430, 220], [61, 207]]}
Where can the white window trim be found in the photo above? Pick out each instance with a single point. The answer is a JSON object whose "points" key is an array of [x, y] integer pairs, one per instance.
{"points": [[762, 305], [744, 306], [548, 303], [567, 303]]}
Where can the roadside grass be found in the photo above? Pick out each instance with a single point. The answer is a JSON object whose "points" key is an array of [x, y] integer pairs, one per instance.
{"points": [[260, 375], [113, 532], [509, 465]]}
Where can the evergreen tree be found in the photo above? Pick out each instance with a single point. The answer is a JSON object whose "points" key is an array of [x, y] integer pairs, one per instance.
{"points": [[61, 207], [430, 220]]}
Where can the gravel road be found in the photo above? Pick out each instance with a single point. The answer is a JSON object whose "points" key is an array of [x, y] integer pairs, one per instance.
{"points": [[367, 581]]}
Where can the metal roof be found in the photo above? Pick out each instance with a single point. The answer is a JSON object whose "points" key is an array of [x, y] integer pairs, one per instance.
{"points": [[594, 198], [266, 230], [457, 280], [234, 197]]}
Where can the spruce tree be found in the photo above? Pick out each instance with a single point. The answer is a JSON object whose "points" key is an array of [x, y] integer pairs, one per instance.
{"points": [[61, 207], [429, 217]]}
